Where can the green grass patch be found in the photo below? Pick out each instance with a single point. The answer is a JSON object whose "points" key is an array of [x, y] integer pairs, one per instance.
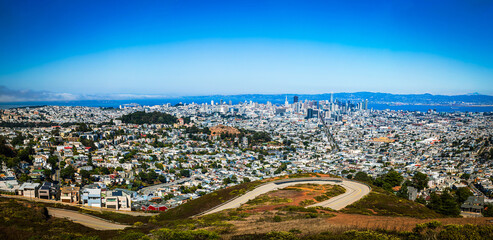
{"points": [[307, 202], [334, 191], [268, 200]]}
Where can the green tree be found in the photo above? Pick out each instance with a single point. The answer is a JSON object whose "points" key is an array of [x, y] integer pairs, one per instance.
{"points": [[151, 177], [47, 174], [67, 173], [227, 181], [465, 176], [53, 161], [159, 166], [488, 210], [461, 195], [393, 178], [403, 193], [105, 170], [185, 172], [363, 177], [4, 149], [420, 180], [18, 139], [85, 174], [162, 178], [89, 160], [435, 203], [449, 205], [24, 178], [74, 151], [26, 154]]}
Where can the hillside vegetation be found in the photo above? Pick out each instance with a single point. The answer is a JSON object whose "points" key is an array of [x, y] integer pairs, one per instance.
{"points": [[30, 221], [381, 202], [207, 201], [432, 230], [149, 118]]}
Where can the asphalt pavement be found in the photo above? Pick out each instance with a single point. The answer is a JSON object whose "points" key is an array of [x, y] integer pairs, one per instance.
{"points": [[86, 220]]}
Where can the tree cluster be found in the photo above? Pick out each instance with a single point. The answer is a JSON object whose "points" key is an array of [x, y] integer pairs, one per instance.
{"points": [[149, 118], [444, 204]]}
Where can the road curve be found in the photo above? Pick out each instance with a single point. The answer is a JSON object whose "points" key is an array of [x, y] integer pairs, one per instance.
{"points": [[88, 221], [354, 192]]}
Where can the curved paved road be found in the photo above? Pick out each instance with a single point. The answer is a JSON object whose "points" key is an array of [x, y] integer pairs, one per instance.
{"points": [[85, 220], [354, 192]]}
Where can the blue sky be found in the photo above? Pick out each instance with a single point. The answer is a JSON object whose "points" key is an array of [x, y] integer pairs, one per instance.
{"points": [[178, 47]]}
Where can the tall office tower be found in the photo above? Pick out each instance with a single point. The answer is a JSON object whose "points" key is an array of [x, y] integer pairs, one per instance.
{"points": [[230, 102], [221, 102], [286, 103], [331, 97], [295, 99], [309, 113], [297, 107], [212, 102], [366, 104]]}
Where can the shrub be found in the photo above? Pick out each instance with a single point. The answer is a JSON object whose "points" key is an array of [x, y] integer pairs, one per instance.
{"points": [[138, 224], [281, 236], [311, 215], [168, 234], [368, 235], [297, 209]]}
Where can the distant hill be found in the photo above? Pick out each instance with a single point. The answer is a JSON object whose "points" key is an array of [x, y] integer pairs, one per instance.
{"points": [[429, 99], [373, 97], [149, 118]]}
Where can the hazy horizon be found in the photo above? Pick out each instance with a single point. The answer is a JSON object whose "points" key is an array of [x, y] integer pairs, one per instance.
{"points": [[65, 50]]}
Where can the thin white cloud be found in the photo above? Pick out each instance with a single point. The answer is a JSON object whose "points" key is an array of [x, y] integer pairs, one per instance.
{"points": [[11, 95]]}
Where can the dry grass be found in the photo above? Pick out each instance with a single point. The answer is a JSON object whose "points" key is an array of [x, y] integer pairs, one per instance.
{"points": [[305, 226], [395, 223], [340, 223]]}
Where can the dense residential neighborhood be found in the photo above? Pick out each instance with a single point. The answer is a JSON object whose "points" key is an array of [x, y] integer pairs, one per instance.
{"points": [[152, 158]]}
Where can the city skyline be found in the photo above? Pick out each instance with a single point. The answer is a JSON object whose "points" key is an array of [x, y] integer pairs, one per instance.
{"points": [[68, 50]]}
